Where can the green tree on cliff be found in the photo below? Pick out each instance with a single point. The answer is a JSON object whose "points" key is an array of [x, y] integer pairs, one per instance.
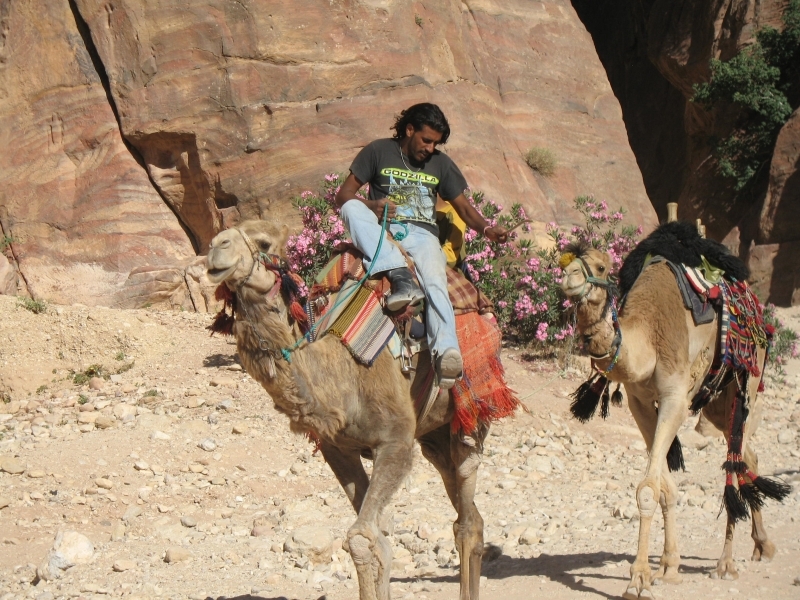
{"points": [[764, 81]]}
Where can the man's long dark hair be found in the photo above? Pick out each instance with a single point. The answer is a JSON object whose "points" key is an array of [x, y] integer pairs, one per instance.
{"points": [[420, 115]]}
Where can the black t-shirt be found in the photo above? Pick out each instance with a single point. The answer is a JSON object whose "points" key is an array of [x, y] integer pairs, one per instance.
{"points": [[413, 190]]}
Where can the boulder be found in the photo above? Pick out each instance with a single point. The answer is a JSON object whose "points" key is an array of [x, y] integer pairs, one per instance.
{"points": [[69, 549]]}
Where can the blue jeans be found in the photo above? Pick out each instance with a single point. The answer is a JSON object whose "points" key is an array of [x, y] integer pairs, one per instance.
{"points": [[429, 260]]}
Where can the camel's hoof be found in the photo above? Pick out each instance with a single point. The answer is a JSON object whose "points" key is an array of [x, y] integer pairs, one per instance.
{"points": [[765, 552], [632, 594], [671, 577], [727, 573]]}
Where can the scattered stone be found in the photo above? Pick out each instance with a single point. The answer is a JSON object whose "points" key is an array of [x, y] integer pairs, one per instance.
{"points": [[208, 445], [104, 422], [226, 405], [128, 388], [313, 542], [123, 565], [87, 418], [176, 554], [223, 382], [104, 483], [96, 383], [529, 537], [638, 445], [11, 408], [188, 521], [122, 410], [141, 465], [117, 532], [11, 465], [261, 531], [241, 429], [194, 402], [132, 512], [36, 474], [4, 502], [786, 436], [539, 463], [160, 436], [69, 549]]}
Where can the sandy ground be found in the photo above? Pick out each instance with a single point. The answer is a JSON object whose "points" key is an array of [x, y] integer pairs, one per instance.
{"points": [[255, 514]]}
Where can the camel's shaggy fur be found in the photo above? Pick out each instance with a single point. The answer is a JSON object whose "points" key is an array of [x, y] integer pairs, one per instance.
{"points": [[350, 408], [663, 360], [678, 242]]}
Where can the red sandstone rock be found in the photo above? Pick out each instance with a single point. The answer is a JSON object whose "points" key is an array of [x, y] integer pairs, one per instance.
{"points": [[229, 109]]}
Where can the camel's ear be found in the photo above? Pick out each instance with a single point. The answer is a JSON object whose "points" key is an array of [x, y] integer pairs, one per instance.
{"points": [[283, 237]]}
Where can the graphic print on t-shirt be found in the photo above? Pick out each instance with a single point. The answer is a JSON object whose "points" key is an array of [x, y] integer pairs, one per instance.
{"points": [[413, 193]]}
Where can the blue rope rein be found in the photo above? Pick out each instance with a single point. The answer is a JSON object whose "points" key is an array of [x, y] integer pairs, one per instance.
{"points": [[286, 353]]}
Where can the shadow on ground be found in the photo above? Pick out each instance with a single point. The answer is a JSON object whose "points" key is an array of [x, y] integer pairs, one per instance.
{"points": [[561, 568], [219, 360]]}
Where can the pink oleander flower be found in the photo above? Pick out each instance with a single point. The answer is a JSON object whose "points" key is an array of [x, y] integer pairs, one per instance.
{"points": [[541, 332]]}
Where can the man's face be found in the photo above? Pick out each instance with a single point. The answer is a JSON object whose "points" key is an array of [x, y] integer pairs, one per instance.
{"points": [[421, 142]]}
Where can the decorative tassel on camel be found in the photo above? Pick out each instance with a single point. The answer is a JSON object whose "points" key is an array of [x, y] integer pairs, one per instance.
{"points": [[586, 398], [223, 322]]}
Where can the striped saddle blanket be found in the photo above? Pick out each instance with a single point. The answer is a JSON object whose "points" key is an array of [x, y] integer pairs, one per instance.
{"points": [[355, 313]]}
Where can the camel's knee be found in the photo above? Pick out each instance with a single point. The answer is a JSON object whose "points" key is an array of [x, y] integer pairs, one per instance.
{"points": [[469, 465], [360, 548], [646, 495]]}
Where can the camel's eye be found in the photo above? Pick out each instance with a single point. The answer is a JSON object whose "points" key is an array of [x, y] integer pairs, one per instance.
{"points": [[601, 268], [264, 245]]}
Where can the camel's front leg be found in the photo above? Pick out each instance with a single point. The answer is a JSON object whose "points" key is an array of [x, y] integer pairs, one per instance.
{"points": [[369, 548], [670, 559], [458, 463], [658, 429]]}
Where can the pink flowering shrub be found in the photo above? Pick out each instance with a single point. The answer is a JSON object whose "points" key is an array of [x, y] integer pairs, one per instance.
{"points": [[525, 282], [323, 229]]}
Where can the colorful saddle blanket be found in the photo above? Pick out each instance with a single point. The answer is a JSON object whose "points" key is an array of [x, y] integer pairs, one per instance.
{"points": [[360, 323]]}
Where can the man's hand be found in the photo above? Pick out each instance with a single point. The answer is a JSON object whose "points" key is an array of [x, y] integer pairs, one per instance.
{"points": [[497, 234], [377, 207]]}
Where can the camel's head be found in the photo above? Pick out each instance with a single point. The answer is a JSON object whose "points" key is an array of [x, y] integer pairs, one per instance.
{"points": [[232, 255], [586, 273]]}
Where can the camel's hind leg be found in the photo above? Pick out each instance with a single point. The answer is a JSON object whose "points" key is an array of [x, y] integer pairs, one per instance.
{"points": [[458, 465], [763, 548], [658, 429]]}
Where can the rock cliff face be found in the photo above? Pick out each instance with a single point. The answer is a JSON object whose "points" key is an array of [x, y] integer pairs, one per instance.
{"points": [[654, 51], [136, 131]]}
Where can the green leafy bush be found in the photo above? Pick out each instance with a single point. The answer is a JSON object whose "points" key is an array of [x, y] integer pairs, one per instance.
{"points": [[35, 306], [763, 80], [784, 344]]}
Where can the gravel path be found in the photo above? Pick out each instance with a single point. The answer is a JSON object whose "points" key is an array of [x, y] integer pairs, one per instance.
{"points": [[185, 483]]}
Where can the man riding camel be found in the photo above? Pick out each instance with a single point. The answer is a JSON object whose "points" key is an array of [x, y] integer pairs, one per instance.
{"points": [[407, 173]]}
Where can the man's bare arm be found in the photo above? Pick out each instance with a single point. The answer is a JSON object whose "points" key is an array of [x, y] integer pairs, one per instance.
{"points": [[347, 192], [476, 221]]}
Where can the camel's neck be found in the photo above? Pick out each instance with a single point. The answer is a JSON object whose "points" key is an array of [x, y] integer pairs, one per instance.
{"points": [[596, 327], [262, 331]]}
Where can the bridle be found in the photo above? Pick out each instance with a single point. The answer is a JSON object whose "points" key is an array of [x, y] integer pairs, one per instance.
{"points": [[612, 292], [283, 282]]}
